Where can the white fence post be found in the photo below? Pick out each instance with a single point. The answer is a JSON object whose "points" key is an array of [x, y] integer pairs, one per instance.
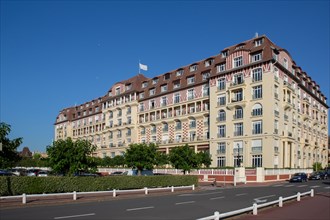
{"points": [[216, 215], [280, 202], [255, 209], [172, 189], [114, 193], [74, 195], [312, 192], [146, 190], [298, 196], [24, 198]]}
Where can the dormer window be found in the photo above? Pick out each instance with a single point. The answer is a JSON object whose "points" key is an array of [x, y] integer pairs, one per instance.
{"points": [[238, 61], [208, 62], [144, 84], [179, 72], [193, 68], [163, 88], [256, 57], [117, 90], [224, 54], [240, 46], [176, 84], [154, 81], [258, 42], [167, 76], [190, 80], [128, 87], [285, 63], [221, 67], [205, 76], [141, 95], [152, 91]]}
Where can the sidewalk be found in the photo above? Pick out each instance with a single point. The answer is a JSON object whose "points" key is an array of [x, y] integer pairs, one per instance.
{"points": [[317, 207]]}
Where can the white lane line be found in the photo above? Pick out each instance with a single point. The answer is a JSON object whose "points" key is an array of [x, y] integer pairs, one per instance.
{"points": [[328, 187], [201, 194], [264, 197], [141, 208], [315, 186], [288, 185], [74, 216], [302, 186], [278, 185], [183, 203], [242, 194], [221, 197]]}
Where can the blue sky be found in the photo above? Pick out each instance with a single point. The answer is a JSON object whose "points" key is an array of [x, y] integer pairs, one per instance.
{"points": [[55, 54]]}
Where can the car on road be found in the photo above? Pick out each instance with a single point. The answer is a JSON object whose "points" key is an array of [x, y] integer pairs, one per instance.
{"points": [[319, 175], [116, 173], [6, 173], [298, 177], [18, 171], [33, 172], [135, 173], [43, 173]]}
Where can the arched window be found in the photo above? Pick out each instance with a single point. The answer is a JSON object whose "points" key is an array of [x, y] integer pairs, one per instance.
{"points": [[221, 115], [257, 109]]}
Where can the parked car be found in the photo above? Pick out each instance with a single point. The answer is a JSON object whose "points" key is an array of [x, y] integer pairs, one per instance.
{"points": [[42, 173], [18, 171], [298, 177], [320, 175], [6, 173], [135, 173], [86, 174], [116, 173], [33, 172]]}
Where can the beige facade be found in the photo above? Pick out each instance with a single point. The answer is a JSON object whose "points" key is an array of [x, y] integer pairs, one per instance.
{"points": [[251, 105]]}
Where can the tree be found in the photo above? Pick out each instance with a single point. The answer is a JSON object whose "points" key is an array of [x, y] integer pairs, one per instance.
{"points": [[118, 161], [141, 156], [8, 153], [161, 159], [183, 157], [317, 166], [203, 159], [69, 157]]}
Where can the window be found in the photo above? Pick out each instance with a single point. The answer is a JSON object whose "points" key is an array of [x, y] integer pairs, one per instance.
{"points": [[144, 84], [179, 72], [221, 148], [167, 76], [117, 91], [224, 54], [221, 84], [205, 76], [164, 101], [258, 42], [165, 127], [238, 79], [221, 67], [257, 127], [178, 125], [255, 57], [285, 63], [238, 113], [176, 84], [206, 90], [151, 104], [238, 129], [141, 107], [221, 100], [152, 92], [163, 88], [256, 160], [257, 110], [221, 116], [193, 68], [190, 94], [256, 146], [237, 96], [208, 62], [257, 75], [238, 61], [191, 80], [153, 129], [128, 87], [143, 130], [221, 161], [176, 97], [221, 131], [257, 92], [155, 81], [192, 123]]}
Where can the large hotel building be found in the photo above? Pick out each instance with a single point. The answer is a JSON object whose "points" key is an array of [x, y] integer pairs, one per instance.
{"points": [[251, 103]]}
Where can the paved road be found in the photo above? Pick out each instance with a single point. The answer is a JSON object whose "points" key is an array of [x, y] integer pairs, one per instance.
{"points": [[187, 205]]}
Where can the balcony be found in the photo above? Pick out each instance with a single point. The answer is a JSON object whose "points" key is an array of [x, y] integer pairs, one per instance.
{"points": [[237, 84]]}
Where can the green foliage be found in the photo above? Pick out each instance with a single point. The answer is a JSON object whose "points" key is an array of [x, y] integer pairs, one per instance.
{"points": [[183, 157], [68, 156], [36, 185], [141, 156], [161, 159], [32, 162], [203, 158], [8, 154], [317, 166]]}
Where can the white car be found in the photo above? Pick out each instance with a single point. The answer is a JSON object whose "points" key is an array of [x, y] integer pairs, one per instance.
{"points": [[43, 173]]}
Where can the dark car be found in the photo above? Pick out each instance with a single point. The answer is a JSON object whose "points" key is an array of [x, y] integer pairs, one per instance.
{"points": [[298, 177], [86, 174], [116, 173], [320, 175], [6, 173]]}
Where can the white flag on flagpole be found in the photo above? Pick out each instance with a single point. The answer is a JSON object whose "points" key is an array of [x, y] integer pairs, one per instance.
{"points": [[143, 67]]}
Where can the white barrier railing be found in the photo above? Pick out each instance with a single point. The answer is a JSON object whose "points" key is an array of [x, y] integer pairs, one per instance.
{"points": [[113, 192], [255, 206]]}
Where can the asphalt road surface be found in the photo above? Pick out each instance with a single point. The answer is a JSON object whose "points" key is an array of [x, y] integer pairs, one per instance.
{"points": [[187, 205]]}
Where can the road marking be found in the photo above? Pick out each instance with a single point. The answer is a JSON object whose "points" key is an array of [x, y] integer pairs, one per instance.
{"points": [[201, 194], [242, 194], [74, 216], [288, 185], [141, 208], [315, 186], [278, 185], [302, 186], [328, 187], [264, 197], [183, 203], [221, 197]]}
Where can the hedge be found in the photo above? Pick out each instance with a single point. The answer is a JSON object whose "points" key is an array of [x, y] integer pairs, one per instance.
{"points": [[12, 185]]}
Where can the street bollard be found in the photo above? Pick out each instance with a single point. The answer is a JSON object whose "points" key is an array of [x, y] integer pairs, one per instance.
{"points": [[74, 195], [114, 193], [312, 192], [24, 198], [146, 190], [172, 189], [280, 202], [193, 187], [217, 215], [255, 209], [298, 196]]}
